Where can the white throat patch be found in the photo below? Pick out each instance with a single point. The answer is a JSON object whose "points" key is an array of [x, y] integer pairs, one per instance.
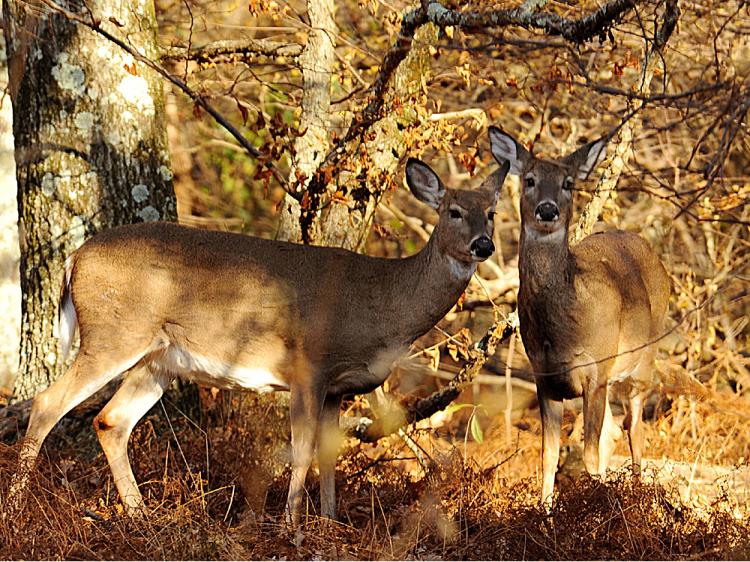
{"points": [[461, 270], [551, 238]]}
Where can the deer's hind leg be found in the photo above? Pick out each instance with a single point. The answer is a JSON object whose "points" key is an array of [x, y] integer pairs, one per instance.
{"points": [[600, 431], [305, 409], [633, 423], [140, 390], [329, 440], [87, 375]]}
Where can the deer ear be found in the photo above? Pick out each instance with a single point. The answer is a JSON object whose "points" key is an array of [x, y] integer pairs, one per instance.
{"points": [[495, 180], [507, 149], [424, 183], [585, 158]]}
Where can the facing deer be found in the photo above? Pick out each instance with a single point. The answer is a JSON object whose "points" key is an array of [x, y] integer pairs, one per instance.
{"points": [[154, 301], [590, 315]]}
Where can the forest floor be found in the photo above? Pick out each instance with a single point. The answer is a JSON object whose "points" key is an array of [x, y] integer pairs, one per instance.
{"points": [[216, 490]]}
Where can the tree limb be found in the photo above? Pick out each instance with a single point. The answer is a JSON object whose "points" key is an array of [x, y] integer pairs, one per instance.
{"points": [[229, 51], [369, 431], [95, 26], [579, 30]]}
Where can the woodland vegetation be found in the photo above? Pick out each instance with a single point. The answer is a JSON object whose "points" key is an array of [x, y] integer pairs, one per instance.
{"points": [[292, 120]]}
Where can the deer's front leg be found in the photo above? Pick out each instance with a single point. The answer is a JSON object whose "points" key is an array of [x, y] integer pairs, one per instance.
{"points": [[551, 412], [329, 439], [306, 403]]}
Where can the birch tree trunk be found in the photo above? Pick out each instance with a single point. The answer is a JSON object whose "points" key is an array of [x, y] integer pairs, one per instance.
{"points": [[90, 146]]}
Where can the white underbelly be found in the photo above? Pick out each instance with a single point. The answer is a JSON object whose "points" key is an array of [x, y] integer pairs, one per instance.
{"points": [[209, 371]]}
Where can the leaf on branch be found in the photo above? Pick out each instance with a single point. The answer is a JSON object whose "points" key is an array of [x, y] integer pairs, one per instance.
{"points": [[476, 429], [197, 110], [457, 407], [469, 161], [305, 202], [243, 111], [458, 346], [433, 356], [339, 197], [460, 301]]}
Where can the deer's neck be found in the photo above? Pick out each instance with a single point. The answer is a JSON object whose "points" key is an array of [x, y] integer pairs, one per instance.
{"points": [[434, 283], [546, 293], [545, 263]]}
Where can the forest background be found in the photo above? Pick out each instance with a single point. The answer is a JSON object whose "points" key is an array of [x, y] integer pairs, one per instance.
{"points": [[293, 120]]}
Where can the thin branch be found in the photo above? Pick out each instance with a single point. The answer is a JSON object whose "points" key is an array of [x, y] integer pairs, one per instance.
{"points": [[95, 26]]}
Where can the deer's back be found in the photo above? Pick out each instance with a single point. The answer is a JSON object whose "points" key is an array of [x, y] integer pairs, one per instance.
{"points": [[624, 289], [235, 298]]}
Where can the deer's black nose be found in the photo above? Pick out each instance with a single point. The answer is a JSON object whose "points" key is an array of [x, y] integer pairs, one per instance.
{"points": [[547, 211], [482, 247]]}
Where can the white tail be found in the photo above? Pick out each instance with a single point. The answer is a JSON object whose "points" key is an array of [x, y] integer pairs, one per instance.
{"points": [[158, 300], [67, 319], [589, 315]]}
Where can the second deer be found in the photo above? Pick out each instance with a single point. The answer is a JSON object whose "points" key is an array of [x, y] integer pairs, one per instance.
{"points": [[589, 315]]}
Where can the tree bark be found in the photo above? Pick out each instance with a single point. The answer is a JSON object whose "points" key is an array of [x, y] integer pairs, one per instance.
{"points": [[316, 62], [10, 288], [90, 146], [369, 172]]}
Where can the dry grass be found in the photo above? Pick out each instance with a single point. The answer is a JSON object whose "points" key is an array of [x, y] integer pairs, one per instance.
{"points": [[218, 493]]}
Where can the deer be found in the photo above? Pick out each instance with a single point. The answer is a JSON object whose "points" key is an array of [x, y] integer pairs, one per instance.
{"points": [[155, 300], [590, 315]]}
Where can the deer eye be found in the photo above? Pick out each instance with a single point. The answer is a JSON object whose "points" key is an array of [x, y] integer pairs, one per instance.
{"points": [[568, 184], [491, 215], [454, 213], [530, 182]]}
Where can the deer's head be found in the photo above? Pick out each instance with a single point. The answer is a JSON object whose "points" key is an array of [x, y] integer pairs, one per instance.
{"points": [[547, 185], [466, 217]]}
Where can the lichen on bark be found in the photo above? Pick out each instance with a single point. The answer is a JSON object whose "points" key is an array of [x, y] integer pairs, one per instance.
{"points": [[89, 126]]}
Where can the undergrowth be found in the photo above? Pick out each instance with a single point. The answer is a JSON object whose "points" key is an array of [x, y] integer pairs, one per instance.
{"points": [[218, 493]]}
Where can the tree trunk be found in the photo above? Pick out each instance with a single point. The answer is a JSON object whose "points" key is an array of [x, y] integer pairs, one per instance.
{"points": [[91, 150], [310, 148], [368, 171], [10, 289]]}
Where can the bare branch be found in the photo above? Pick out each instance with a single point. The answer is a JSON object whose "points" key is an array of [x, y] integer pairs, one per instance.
{"points": [[369, 431], [577, 31], [231, 51], [95, 26]]}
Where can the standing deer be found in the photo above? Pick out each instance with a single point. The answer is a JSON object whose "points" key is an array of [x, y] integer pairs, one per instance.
{"points": [[155, 301], [590, 315]]}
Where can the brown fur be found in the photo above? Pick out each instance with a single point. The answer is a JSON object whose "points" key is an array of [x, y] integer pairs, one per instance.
{"points": [[589, 315], [157, 300]]}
